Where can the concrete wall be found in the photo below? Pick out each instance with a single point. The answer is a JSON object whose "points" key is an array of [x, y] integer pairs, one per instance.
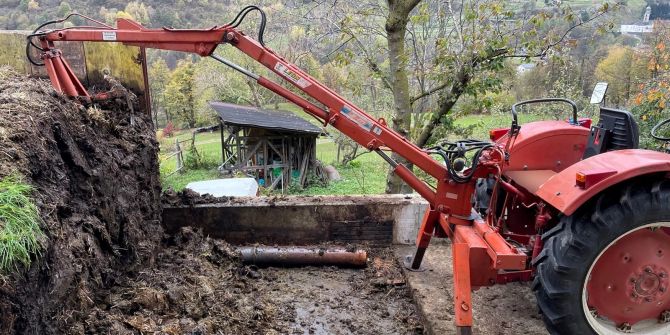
{"points": [[379, 220]]}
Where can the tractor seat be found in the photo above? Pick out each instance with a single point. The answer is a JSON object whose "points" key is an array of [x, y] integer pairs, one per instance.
{"points": [[531, 180], [615, 130]]}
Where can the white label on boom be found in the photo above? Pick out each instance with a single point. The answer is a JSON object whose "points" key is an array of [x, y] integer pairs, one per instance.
{"points": [[109, 36], [356, 117], [291, 75]]}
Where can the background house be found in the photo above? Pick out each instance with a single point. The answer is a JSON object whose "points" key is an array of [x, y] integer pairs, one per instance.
{"points": [[277, 148]]}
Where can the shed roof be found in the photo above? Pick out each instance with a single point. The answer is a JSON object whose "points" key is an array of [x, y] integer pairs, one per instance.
{"points": [[263, 118]]}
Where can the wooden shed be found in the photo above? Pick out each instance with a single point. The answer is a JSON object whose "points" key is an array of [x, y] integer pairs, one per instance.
{"points": [[277, 148]]}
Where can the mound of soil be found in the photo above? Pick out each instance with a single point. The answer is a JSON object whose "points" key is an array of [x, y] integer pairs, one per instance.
{"points": [[95, 173], [106, 266]]}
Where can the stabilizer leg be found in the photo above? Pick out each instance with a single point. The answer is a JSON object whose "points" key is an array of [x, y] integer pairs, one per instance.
{"points": [[422, 240], [462, 288]]}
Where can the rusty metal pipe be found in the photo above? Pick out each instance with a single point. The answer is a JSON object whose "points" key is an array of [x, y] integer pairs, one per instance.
{"points": [[303, 256]]}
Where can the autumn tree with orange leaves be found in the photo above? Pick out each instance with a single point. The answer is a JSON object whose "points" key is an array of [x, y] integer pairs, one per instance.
{"points": [[652, 104]]}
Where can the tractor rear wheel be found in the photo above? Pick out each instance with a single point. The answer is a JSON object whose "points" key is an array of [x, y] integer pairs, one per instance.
{"points": [[605, 269]]}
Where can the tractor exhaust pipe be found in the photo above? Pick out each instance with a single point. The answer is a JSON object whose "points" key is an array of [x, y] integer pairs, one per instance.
{"points": [[303, 256]]}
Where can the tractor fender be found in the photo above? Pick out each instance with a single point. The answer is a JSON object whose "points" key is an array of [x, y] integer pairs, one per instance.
{"points": [[561, 190]]}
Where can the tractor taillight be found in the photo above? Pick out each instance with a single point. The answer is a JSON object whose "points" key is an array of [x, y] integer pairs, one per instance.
{"points": [[581, 180], [585, 179], [585, 122]]}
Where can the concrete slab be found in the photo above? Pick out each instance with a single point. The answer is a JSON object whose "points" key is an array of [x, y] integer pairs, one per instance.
{"points": [[501, 310], [294, 220]]}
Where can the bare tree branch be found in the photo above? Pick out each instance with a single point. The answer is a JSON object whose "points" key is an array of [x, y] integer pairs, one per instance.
{"points": [[559, 41], [505, 53], [372, 64], [429, 92]]}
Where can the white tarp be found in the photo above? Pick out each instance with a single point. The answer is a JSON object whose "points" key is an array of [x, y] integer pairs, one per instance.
{"points": [[225, 187]]}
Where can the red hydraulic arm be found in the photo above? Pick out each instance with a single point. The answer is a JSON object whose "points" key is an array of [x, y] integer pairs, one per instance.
{"points": [[478, 247], [340, 113]]}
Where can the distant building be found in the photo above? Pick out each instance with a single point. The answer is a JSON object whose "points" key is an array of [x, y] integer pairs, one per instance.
{"points": [[636, 29], [641, 28], [647, 14]]}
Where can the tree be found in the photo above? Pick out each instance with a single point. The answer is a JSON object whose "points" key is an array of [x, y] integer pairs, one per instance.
{"points": [[396, 27], [652, 103], [63, 9], [473, 40], [159, 74], [138, 11], [623, 70], [180, 93]]}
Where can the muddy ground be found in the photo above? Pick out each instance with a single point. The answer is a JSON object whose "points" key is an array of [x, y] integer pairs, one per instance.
{"points": [[331, 300], [198, 285]]}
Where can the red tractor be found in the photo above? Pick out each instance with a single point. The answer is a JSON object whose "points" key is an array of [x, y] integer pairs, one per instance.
{"points": [[574, 207]]}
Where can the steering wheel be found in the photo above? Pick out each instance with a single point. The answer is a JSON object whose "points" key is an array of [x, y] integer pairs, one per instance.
{"points": [[515, 121], [655, 129]]}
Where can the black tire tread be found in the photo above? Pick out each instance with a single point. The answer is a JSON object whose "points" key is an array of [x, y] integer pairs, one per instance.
{"points": [[573, 244]]}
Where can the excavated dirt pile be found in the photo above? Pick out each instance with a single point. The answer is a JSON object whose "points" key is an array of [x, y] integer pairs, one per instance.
{"points": [[106, 266], [95, 175]]}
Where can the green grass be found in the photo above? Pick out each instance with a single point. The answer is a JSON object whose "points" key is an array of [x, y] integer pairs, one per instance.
{"points": [[365, 175], [483, 123], [178, 181], [20, 233]]}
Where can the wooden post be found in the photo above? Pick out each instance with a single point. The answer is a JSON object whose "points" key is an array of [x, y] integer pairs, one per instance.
{"points": [[240, 154], [265, 161], [287, 163], [180, 158], [223, 146]]}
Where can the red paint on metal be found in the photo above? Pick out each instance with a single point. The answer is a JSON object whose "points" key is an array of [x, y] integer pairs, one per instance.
{"points": [[307, 106], [482, 271], [514, 276], [546, 145], [629, 283], [585, 122], [427, 228], [462, 286], [561, 192], [495, 134], [504, 256]]}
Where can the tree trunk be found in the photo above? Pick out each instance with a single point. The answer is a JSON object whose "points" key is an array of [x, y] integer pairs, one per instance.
{"points": [[446, 102], [254, 94], [396, 25]]}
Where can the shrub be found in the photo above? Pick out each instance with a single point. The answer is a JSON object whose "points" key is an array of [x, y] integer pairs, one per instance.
{"points": [[651, 106], [169, 129], [196, 160]]}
